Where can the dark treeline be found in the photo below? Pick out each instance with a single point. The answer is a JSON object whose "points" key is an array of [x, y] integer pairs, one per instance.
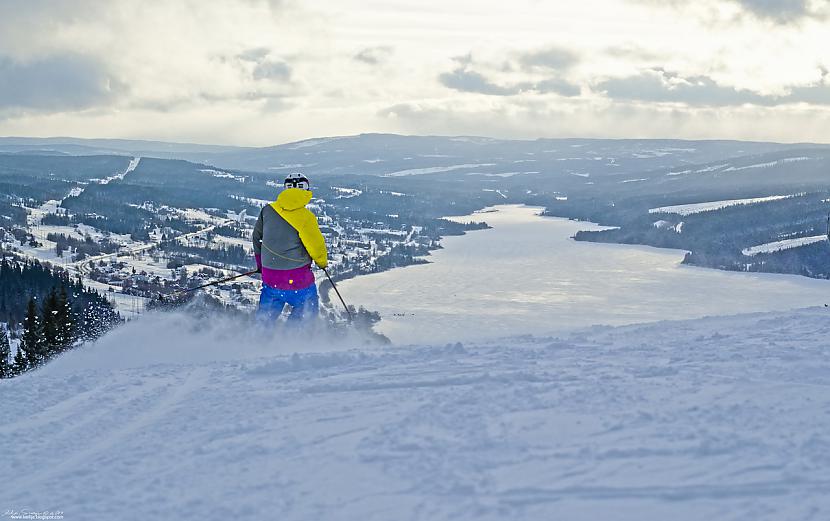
{"points": [[224, 255], [10, 214], [53, 219], [80, 248], [34, 179], [112, 216], [33, 192], [107, 215], [49, 311]]}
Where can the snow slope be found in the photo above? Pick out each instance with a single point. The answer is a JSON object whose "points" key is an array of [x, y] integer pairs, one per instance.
{"points": [[132, 166], [691, 209], [786, 244], [170, 417]]}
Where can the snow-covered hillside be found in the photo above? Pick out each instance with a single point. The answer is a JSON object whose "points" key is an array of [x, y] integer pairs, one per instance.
{"points": [[169, 417], [691, 209]]}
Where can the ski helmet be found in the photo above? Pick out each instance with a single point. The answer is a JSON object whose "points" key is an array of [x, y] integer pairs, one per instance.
{"points": [[297, 180]]}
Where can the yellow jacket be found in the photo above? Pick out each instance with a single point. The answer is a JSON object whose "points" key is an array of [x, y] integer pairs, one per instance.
{"points": [[290, 205]]}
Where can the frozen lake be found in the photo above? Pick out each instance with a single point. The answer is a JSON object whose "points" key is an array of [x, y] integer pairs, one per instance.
{"points": [[527, 276]]}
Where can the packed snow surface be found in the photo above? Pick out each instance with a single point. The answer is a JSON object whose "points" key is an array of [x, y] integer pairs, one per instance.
{"points": [[786, 244], [689, 209], [434, 169], [768, 164], [130, 167], [171, 417]]}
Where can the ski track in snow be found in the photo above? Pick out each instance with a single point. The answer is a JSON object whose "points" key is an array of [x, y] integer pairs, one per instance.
{"points": [[723, 418], [132, 166]]}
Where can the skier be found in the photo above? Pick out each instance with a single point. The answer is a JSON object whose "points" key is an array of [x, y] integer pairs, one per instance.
{"points": [[286, 240]]}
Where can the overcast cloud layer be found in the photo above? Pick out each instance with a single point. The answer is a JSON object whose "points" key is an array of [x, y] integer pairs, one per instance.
{"points": [[260, 72]]}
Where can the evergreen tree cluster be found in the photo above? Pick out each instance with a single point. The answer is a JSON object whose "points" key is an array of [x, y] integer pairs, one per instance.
{"points": [[81, 248], [221, 256], [6, 368], [46, 333], [11, 215], [54, 314]]}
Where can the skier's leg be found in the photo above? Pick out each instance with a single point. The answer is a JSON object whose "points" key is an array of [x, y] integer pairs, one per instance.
{"points": [[271, 304], [305, 304]]}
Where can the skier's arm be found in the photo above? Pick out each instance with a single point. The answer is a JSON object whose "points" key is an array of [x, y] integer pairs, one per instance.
{"points": [[314, 241], [257, 240]]}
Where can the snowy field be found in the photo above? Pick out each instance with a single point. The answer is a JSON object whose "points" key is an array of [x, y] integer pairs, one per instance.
{"points": [[725, 419], [434, 169], [527, 275], [786, 244], [691, 209]]}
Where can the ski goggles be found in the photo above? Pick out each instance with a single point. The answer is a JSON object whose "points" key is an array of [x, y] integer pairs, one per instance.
{"points": [[301, 183]]}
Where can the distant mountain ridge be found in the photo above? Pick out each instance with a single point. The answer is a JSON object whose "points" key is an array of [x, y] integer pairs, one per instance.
{"points": [[108, 146], [388, 153]]}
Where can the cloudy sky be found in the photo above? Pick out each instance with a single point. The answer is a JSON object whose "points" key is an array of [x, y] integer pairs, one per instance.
{"points": [[261, 72]]}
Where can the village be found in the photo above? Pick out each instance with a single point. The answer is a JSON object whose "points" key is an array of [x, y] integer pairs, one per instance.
{"points": [[132, 273]]}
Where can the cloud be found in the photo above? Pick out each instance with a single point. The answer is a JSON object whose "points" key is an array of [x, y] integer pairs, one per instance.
{"points": [[263, 67], [274, 5], [464, 60], [779, 11], [557, 86], [632, 52], [59, 82], [818, 94], [256, 55], [466, 80], [553, 58], [272, 70], [266, 100], [525, 119], [514, 118], [660, 86], [374, 55]]}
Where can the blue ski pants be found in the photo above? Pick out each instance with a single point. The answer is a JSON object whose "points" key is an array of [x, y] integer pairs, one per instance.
{"points": [[304, 304]]}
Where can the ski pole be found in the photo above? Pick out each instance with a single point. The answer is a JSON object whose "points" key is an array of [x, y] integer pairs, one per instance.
{"points": [[338, 293], [214, 283]]}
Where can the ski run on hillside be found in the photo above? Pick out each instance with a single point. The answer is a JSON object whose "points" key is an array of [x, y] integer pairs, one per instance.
{"points": [[172, 418]]}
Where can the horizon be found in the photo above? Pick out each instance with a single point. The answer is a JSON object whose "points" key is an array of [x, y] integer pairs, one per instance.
{"points": [[445, 136]]}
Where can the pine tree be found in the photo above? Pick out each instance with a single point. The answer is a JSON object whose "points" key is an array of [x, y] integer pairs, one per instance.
{"points": [[49, 326], [5, 354], [96, 320], [21, 362], [64, 321], [32, 346]]}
